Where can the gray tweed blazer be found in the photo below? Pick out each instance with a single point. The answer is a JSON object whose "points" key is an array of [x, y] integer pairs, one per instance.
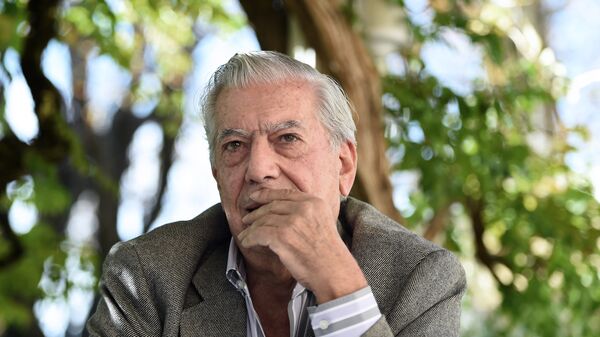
{"points": [[171, 281]]}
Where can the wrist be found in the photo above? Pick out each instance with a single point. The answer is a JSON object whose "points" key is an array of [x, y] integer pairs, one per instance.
{"points": [[336, 287]]}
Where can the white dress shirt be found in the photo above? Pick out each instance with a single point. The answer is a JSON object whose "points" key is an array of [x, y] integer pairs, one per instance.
{"points": [[347, 316]]}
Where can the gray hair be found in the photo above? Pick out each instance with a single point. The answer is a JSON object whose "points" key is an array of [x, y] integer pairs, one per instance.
{"points": [[262, 67]]}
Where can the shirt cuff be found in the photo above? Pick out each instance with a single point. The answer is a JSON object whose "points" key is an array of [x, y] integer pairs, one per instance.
{"points": [[350, 315]]}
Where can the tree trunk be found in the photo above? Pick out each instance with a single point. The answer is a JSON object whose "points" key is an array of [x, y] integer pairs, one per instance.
{"points": [[269, 20], [343, 55]]}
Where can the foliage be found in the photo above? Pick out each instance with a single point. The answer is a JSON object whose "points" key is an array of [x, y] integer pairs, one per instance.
{"points": [[509, 202], [19, 282], [535, 223], [13, 25], [152, 41]]}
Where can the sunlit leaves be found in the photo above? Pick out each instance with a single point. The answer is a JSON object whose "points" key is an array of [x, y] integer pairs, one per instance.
{"points": [[491, 148], [19, 282], [13, 24], [153, 42], [80, 17], [48, 195]]}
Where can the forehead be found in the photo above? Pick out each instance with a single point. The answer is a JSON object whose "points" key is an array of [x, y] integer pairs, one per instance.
{"points": [[262, 104]]}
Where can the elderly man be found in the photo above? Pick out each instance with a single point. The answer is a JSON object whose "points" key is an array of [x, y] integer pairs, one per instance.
{"points": [[286, 253]]}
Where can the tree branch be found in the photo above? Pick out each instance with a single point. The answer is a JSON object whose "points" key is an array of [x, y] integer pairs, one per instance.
{"points": [[437, 223], [166, 161], [475, 209], [343, 55], [270, 22], [52, 142]]}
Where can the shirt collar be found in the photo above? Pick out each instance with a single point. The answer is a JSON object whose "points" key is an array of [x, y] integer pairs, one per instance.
{"points": [[235, 271]]}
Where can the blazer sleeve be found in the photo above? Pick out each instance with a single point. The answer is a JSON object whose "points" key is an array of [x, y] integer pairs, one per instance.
{"points": [[126, 306], [429, 302]]}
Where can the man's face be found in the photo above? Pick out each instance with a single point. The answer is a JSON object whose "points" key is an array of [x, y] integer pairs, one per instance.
{"points": [[270, 136]]}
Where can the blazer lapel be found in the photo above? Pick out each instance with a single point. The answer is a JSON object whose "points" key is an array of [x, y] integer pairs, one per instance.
{"points": [[222, 310], [370, 248]]}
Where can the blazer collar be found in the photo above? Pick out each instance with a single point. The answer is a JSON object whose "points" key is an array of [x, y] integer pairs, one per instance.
{"points": [[221, 311], [368, 245]]}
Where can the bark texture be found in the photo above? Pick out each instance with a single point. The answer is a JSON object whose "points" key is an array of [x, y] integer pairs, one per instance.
{"points": [[343, 55], [269, 20], [52, 143]]}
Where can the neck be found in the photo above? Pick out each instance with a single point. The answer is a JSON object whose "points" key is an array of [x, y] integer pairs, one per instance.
{"points": [[266, 271], [271, 291]]}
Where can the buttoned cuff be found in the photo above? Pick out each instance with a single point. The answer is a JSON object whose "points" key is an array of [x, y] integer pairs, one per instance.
{"points": [[350, 315]]}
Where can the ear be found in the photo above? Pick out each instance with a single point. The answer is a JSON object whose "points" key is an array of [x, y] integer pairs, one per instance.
{"points": [[348, 163]]}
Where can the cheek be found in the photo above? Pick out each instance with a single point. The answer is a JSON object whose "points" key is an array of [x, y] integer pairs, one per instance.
{"points": [[230, 185], [321, 175]]}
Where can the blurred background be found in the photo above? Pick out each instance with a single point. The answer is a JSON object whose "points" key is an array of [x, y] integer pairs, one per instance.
{"points": [[478, 127]]}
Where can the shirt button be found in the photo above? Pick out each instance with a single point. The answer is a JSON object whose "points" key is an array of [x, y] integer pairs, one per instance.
{"points": [[323, 324], [241, 284]]}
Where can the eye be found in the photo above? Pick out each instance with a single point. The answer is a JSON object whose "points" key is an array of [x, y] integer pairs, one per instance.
{"points": [[232, 146], [289, 138]]}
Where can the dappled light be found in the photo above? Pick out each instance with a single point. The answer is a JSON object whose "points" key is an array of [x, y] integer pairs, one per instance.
{"points": [[486, 113]]}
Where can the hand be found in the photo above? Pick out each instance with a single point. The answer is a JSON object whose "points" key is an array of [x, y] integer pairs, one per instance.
{"points": [[301, 230]]}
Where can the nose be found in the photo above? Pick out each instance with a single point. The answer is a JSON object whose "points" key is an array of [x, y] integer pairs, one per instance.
{"points": [[262, 163]]}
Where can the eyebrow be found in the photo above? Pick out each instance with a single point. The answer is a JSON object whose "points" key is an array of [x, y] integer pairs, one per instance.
{"points": [[233, 132], [267, 127]]}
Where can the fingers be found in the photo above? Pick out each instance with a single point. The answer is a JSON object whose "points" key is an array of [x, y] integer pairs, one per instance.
{"points": [[265, 232], [265, 195], [280, 207]]}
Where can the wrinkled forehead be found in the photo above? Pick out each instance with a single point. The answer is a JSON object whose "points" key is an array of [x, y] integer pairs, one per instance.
{"points": [[271, 103], [261, 86]]}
